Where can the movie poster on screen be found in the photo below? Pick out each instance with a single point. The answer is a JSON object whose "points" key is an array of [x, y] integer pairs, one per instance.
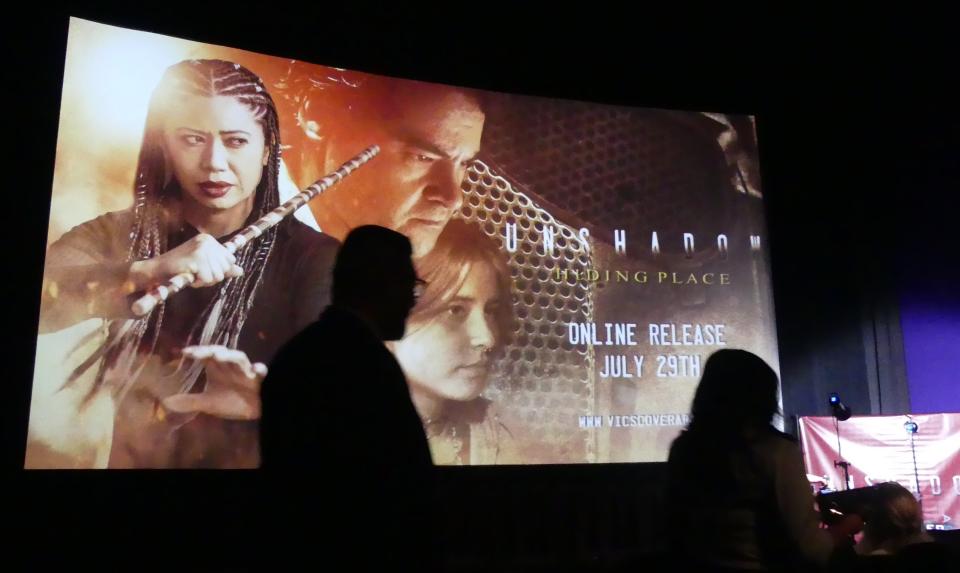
{"points": [[582, 261]]}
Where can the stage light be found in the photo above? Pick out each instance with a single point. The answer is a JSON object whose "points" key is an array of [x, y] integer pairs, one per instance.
{"points": [[839, 410]]}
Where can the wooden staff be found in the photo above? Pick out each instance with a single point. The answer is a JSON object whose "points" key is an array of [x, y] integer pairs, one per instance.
{"points": [[160, 293]]}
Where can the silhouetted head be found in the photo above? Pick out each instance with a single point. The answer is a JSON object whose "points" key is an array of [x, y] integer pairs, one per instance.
{"points": [[893, 519], [374, 276], [738, 390]]}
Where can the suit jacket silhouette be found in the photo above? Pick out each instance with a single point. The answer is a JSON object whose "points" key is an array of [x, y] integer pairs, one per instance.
{"points": [[341, 441]]}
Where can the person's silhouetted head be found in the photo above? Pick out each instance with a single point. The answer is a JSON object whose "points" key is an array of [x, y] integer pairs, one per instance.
{"points": [[894, 519], [738, 390], [374, 276]]}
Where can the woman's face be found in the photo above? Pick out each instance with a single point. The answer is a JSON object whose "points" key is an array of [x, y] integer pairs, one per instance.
{"points": [[448, 356], [216, 150]]}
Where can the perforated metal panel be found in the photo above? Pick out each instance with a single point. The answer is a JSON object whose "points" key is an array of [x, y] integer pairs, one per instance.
{"points": [[613, 167], [543, 382], [571, 164]]}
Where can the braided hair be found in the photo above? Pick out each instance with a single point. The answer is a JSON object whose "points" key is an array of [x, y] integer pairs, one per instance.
{"points": [[222, 320]]}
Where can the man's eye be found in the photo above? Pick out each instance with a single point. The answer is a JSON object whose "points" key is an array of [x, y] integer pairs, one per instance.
{"points": [[236, 141], [424, 158], [193, 139]]}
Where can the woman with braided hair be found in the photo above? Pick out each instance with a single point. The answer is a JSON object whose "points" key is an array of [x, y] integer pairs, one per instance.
{"points": [[184, 379]]}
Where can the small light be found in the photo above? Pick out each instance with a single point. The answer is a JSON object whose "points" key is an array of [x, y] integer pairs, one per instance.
{"points": [[839, 410]]}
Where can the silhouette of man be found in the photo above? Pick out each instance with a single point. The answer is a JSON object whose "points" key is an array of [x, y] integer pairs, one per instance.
{"points": [[338, 426]]}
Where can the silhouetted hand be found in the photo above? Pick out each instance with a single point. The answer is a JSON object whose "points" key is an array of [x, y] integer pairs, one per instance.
{"points": [[843, 530]]}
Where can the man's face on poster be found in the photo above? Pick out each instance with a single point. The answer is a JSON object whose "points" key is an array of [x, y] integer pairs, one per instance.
{"points": [[413, 186]]}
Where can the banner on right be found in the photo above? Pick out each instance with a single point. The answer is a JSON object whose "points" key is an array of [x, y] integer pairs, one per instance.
{"points": [[880, 449]]}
